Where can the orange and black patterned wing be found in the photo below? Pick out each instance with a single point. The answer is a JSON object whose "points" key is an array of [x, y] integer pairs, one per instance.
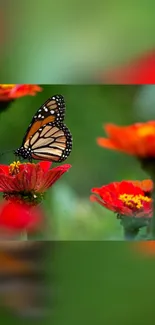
{"points": [[52, 142], [52, 111]]}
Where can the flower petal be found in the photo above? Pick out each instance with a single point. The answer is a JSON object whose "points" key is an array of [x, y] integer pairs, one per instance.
{"points": [[52, 176], [4, 169], [45, 165], [23, 90], [30, 178], [106, 143], [94, 198], [137, 139], [6, 183]]}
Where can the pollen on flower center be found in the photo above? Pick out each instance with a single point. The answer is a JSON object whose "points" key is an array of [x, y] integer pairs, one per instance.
{"points": [[134, 201], [7, 86], [14, 168], [146, 130]]}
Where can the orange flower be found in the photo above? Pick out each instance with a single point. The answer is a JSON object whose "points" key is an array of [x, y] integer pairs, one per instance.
{"points": [[9, 92], [146, 248], [137, 139], [146, 186]]}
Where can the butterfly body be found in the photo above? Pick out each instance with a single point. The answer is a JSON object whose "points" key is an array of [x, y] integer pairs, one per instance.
{"points": [[47, 138]]}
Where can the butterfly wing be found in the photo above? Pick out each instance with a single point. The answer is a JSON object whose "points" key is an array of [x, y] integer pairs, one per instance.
{"points": [[47, 138], [53, 142], [52, 111]]}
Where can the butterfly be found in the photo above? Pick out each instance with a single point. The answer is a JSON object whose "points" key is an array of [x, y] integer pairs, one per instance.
{"points": [[47, 137]]}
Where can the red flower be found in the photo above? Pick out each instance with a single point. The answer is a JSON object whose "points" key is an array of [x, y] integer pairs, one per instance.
{"points": [[9, 92], [137, 139], [139, 71], [16, 218], [124, 198], [29, 181]]}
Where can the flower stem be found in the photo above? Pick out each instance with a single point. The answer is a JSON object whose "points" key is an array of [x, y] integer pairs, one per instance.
{"points": [[130, 234]]}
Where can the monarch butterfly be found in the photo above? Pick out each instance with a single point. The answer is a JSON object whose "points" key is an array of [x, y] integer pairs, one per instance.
{"points": [[22, 272], [47, 138]]}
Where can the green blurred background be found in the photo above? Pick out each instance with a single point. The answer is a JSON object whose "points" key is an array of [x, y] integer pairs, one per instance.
{"points": [[72, 41], [96, 283], [71, 214]]}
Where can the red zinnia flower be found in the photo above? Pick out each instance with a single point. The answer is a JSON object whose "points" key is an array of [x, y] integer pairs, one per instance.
{"points": [[29, 181], [16, 218], [9, 92], [124, 198], [138, 71], [137, 139]]}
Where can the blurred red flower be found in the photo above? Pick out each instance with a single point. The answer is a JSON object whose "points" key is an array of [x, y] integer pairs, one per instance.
{"points": [[16, 218], [137, 139], [138, 71], [124, 198], [9, 92], [29, 181]]}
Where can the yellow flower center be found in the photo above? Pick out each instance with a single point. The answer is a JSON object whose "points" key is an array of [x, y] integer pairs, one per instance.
{"points": [[146, 130], [134, 201], [14, 168], [5, 86]]}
